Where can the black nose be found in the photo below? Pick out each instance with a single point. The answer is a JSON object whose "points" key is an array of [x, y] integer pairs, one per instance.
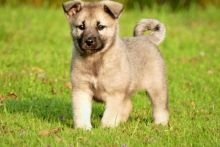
{"points": [[90, 41]]}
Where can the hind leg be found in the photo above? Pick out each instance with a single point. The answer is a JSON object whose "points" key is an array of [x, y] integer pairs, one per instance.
{"points": [[159, 100]]}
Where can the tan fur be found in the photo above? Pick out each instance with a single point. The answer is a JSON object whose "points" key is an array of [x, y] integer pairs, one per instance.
{"points": [[115, 72]]}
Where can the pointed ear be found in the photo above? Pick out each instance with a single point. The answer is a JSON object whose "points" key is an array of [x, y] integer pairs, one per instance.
{"points": [[114, 9], [71, 8]]}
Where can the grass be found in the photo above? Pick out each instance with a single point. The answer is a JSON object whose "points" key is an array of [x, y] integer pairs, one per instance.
{"points": [[35, 110]]}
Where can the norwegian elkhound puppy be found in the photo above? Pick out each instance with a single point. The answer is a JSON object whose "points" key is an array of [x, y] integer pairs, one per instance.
{"points": [[110, 69]]}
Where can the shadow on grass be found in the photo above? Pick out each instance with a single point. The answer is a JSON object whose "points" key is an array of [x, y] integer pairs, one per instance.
{"points": [[49, 109]]}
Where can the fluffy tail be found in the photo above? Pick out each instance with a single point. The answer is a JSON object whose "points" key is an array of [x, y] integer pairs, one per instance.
{"points": [[156, 28]]}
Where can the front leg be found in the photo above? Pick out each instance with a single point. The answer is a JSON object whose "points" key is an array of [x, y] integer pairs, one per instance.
{"points": [[82, 108], [117, 110]]}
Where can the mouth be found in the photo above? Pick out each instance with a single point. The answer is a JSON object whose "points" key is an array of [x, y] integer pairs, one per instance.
{"points": [[90, 49]]}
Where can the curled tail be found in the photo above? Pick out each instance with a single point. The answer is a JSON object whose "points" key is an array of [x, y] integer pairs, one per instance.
{"points": [[156, 28]]}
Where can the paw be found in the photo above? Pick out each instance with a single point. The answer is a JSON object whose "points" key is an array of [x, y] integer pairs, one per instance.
{"points": [[87, 127], [110, 123], [161, 117]]}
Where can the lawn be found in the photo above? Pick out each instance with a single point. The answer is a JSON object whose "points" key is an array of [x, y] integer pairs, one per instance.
{"points": [[35, 109]]}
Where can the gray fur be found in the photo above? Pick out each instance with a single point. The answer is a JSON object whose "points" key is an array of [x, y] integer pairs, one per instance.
{"points": [[115, 72], [158, 31]]}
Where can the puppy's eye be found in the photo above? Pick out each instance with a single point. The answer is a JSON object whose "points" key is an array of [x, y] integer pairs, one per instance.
{"points": [[81, 27], [101, 27]]}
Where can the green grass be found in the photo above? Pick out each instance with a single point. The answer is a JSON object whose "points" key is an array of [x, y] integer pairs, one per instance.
{"points": [[35, 110]]}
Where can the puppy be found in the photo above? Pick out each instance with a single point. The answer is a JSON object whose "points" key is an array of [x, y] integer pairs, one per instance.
{"points": [[110, 69]]}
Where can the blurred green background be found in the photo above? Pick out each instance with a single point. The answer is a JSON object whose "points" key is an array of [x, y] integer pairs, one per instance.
{"points": [[142, 4]]}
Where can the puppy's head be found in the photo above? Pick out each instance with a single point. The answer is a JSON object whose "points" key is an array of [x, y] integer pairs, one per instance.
{"points": [[93, 25]]}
